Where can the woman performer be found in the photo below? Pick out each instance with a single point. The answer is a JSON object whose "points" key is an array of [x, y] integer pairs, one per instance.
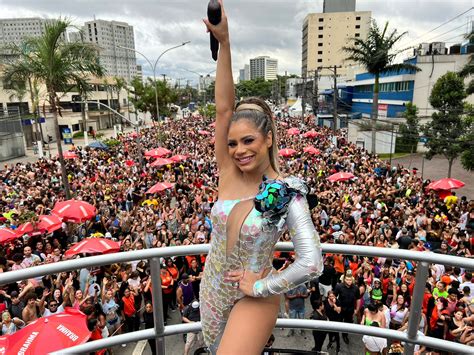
{"points": [[239, 290]]}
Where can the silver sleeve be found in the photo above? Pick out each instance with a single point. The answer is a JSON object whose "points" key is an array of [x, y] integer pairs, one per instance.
{"points": [[308, 262]]}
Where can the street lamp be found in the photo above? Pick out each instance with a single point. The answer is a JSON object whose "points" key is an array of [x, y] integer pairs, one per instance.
{"points": [[153, 68]]}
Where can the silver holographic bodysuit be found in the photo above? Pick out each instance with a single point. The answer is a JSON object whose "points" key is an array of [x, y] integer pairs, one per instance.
{"points": [[242, 238]]}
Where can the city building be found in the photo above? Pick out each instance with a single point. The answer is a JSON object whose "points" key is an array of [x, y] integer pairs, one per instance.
{"points": [[399, 88], [111, 37], [244, 74], [263, 67], [339, 6], [15, 30], [139, 73], [206, 81], [324, 34]]}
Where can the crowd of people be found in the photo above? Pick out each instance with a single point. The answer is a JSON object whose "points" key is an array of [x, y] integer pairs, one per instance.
{"points": [[383, 206]]}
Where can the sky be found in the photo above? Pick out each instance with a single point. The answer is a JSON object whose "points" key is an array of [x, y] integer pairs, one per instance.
{"points": [[257, 27]]}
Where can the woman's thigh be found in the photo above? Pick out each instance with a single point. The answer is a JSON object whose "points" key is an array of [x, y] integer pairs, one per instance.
{"points": [[249, 326]]}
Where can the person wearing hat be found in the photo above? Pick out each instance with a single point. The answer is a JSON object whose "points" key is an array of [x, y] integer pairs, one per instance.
{"points": [[192, 314]]}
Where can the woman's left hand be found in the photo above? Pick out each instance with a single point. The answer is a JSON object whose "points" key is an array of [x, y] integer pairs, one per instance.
{"points": [[246, 279]]}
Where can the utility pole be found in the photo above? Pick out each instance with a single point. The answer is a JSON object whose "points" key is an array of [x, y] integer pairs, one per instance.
{"points": [[333, 69], [315, 103], [303, 100], [391, 143], [336, 118]]}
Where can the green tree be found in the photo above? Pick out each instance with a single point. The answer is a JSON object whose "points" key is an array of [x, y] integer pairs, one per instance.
{"points": [[376, 54], [208, 111], [468, 69], [257, 87], [409, 131], [467, 156], [144, 97], [447, 127], [57, 64]]}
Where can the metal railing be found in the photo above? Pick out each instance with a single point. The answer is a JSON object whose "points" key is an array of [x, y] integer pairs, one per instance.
{"points": [[159, 332]]}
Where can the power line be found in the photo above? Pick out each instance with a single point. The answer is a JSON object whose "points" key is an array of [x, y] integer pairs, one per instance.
{"points": [[445, 23], [454, 29]]}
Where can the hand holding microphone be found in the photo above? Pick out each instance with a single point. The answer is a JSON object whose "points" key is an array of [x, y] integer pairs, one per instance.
{"points": [[216, 24], [214, 16]]}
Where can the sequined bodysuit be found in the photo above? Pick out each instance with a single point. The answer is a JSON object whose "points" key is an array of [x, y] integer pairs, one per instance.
{"points": [[254, 252]]}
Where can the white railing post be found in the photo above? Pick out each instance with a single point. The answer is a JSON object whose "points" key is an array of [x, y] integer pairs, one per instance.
{"points": [[416, 305], [157, 298]]}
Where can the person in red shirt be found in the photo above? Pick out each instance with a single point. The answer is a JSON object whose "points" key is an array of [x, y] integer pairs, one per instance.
{"points": [[132, 321], [173, 270], [96, 333], [167, 286]]}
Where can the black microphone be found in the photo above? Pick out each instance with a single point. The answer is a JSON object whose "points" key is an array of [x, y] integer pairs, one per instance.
{"points": [[214, 15]]}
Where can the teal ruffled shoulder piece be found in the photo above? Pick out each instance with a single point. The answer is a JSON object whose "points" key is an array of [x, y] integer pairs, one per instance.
{"points": [[274, 197]]}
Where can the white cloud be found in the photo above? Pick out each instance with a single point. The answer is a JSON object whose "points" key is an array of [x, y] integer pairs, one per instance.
{"points": [[257, 27]]}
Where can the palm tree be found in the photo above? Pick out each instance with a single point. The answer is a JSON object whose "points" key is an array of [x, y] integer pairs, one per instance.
{"points": [[59, 66], [377, 55]]}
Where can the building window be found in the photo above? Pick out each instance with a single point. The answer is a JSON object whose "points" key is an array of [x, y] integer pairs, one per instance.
{"points": [[321, 19], [357, 18], [320, 28], [357, 34], [320, 44], [320, 52], [357, 26], [320, 36], [320, 60]]}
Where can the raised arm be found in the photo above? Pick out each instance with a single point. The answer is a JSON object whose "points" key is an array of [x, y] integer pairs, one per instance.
{"points": [[309, 261], [224, 90]]}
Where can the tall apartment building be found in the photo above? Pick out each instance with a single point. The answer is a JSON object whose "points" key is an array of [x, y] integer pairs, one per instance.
{"points": [[263, 67], [324, 35], [244, 74], [339, 6], [15, 30], [110, 36]]}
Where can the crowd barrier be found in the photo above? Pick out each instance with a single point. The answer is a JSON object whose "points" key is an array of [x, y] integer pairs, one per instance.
{"points": [[160, 331]]}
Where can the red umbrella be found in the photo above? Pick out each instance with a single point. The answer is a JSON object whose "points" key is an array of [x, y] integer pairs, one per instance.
{"points": [[7, 235], [286, 152], [446, 184], [93, 246], [158, 153], [161, 162], [178, 158], [161, 186], [311, 134], [29, 228], [49, 223], [311, 150], [129, 163], [293, 131], [204, 133], [341, 177], [49, 334], [70, 155], [74, 211]]}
